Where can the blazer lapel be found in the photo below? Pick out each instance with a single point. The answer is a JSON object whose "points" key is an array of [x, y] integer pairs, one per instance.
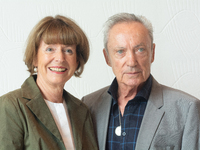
{"points": [[76, 124], [152, 118], [38, 106], [102, 118]]}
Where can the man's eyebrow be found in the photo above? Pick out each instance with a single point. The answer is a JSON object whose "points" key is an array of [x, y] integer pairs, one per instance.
{"points": [[141, 44], [136, 46], [119, 47]]}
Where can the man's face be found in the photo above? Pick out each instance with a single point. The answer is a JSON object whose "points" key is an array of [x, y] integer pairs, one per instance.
{"points": [[130, 53]]}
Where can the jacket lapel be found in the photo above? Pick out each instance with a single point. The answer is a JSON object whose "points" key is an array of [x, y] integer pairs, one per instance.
{"points": [[38, 106], [152, 117], [76, 124], [102, 118]]}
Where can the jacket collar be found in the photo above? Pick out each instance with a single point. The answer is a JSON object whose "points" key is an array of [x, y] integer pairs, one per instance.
{"points": [[148, 127], [37, 105], [153, 112], [73, 106]]}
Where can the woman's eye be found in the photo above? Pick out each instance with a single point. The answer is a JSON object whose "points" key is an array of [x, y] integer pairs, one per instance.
{"points": [[49, 49], [69, 51]]}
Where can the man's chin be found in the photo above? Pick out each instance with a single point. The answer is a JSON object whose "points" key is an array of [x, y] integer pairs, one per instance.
{"points": [[134, 82]]}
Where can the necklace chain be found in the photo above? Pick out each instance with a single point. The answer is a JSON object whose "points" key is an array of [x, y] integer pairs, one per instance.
{"points": [[118, 129], [119, 117]]}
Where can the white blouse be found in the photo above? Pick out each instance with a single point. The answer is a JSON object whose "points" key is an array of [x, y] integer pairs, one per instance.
{"points": [[61, 117]]}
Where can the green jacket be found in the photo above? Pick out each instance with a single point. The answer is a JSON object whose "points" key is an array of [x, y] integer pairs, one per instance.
{"points": [[27, 124]]}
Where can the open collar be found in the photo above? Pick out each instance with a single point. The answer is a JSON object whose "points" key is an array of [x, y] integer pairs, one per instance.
{"points": [[37, 105]]}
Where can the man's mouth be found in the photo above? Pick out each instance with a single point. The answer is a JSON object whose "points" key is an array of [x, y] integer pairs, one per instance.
{"points": [[136, 72]]}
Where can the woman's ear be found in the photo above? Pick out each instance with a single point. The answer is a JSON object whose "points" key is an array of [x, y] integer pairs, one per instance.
{"points": [[35, 63]]}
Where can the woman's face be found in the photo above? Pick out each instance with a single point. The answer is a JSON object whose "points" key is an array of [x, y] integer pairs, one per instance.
{"points": [[56, 64]]}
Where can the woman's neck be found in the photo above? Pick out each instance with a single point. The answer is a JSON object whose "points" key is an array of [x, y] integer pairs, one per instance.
{"points": [[50, 92]]}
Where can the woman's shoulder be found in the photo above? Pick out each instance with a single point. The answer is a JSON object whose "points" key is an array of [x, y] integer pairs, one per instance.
{"points": [[12, 95], [72, 100], [12, 100]]}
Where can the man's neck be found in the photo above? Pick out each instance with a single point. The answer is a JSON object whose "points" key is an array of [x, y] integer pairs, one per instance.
{"points": [[125, 94]]}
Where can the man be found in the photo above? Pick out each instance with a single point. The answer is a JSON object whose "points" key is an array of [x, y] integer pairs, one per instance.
{"points": [[136, 112]]}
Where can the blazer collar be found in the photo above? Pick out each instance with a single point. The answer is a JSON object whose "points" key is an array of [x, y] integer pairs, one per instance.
{"points": [[153, 112], [73, 106], [148, 127], [102, 117], [37, 105]]}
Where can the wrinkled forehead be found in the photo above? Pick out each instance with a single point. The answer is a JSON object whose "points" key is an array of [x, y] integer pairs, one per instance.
{"points": [[128, 33]]}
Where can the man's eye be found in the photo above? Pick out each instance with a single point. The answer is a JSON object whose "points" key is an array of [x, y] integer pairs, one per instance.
{"points": [[141, 49], [120, 51]]}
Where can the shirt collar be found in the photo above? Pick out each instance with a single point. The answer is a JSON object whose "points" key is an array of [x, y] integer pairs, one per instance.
{"points": [[144, 92]]}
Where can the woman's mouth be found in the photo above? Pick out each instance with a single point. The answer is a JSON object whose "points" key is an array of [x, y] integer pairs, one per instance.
{"points": [[58, 69]]}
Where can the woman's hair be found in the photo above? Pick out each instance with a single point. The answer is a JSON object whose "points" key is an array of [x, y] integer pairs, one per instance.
{"points": [[54, 30], [125, 17]]}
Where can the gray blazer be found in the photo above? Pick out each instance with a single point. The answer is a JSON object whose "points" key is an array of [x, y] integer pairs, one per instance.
{"points": [[171, 120]]}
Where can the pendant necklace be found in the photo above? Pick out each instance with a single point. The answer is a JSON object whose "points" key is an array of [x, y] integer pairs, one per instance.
{"points": [[118, 130]]}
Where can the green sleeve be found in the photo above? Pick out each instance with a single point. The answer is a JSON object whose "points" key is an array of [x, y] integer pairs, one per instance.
{"points": [[11, 127]]}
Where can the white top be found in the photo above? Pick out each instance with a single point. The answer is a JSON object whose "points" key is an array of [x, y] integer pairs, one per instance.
{"points": [[60, 114]]}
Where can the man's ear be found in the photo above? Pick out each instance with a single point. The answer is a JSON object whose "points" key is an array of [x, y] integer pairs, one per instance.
{"points": [[106, 57], [153, 52]]}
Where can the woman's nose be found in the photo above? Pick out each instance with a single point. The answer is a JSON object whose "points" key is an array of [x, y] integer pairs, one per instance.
{"points": [[60, 56]]}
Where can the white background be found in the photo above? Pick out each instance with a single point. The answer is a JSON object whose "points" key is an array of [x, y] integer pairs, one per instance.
{"points": [[176, 32]]}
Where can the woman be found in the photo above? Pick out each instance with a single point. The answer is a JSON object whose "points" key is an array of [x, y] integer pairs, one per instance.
{"points": [[41, 115]]}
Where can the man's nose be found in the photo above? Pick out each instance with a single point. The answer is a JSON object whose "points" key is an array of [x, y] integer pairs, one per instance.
{"points": [[131, 58]]}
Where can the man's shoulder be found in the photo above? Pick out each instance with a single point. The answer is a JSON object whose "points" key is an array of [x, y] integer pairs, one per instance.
{"points": [[172, 92], [175, 96], [96, 95]]}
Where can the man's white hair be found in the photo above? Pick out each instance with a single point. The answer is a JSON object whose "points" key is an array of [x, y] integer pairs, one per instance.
{"points": [[125, 17]]}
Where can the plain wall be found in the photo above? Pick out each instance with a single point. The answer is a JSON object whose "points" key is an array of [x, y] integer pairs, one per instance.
{"points": [[176, 35]]}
